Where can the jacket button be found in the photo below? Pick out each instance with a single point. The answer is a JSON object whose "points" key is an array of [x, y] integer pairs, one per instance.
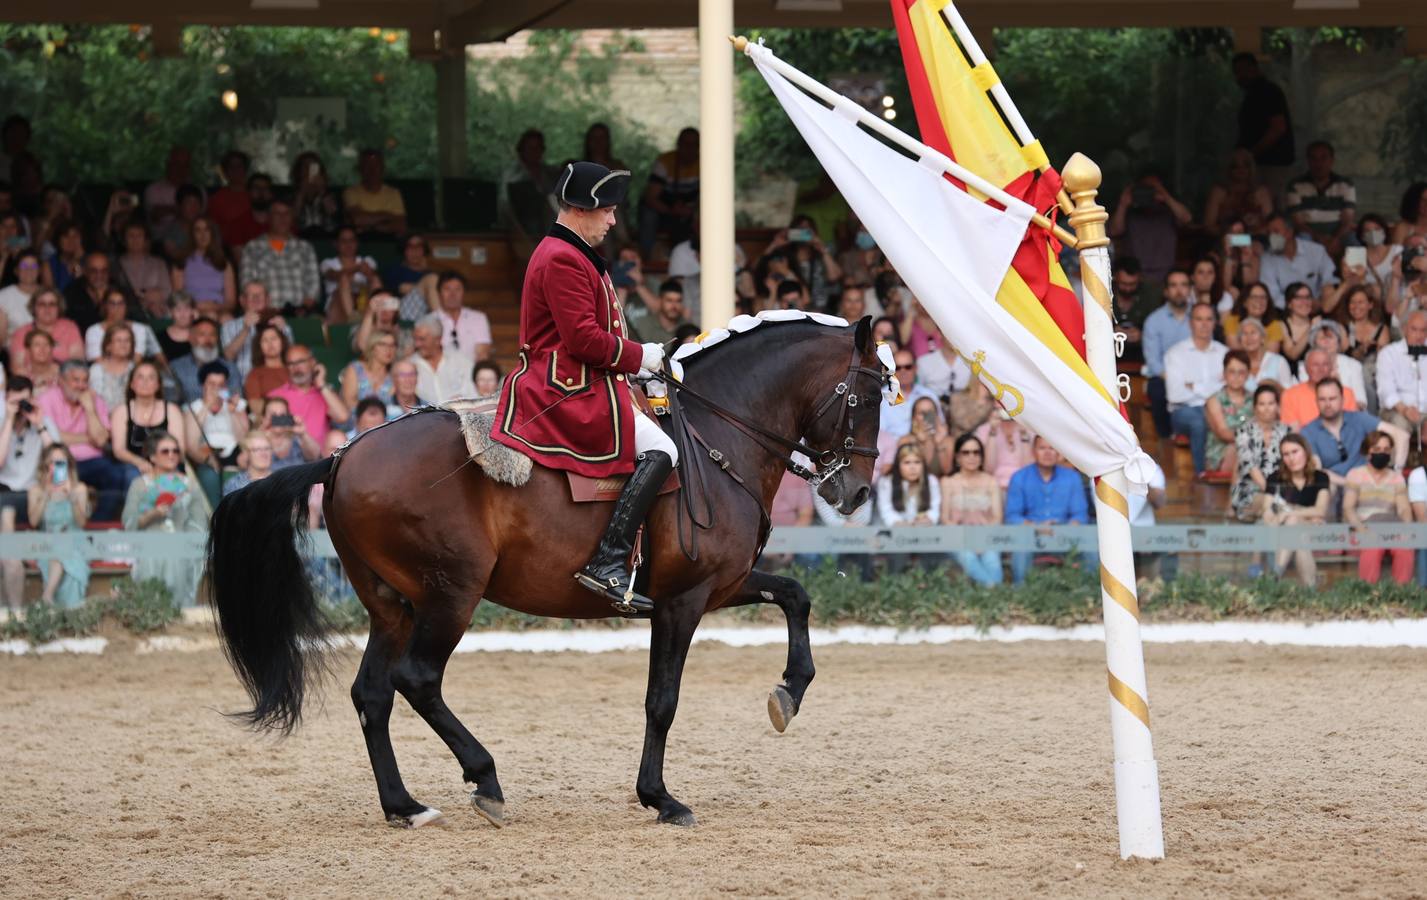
{"points": [[619, 378], [616, 325], [569, 381]]}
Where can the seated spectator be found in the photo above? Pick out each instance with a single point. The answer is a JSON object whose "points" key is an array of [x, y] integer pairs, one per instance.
{"points": [[525, 197], [1009, 446], [1193, 372], [23, 439], [1208, 285], [370, 413], [1336, 436], [205, 274], [84, 298], [216, 425], [39, 361], [1417, 496], [1132, 306], [1382, 255], [370, 375], [116, 309], [464, 330], [404, 379], [308, 395], [284, 263], [971, 496], [165, 499], [1264, 366], [684, 267], [174, 237], [1300, 402], [860, 518], [1291, 261], [82, 420], [967, 410], [943, 370], [672, 194], [203, 348], [288, 435], [349, 270], [1298, 324], [1146, 223], [791, 294], [810, 259], [884, 331], [1407, 294], [931, 437], [145, 275], [383, 316], [599, 148], [792, 507], [852, 304], [231, 206], [173, 338], [1225, 411], [314, 203], [46, 311], [372, 206], [1366, 323], [1412, 214], [58, 502], [1377, 492], [404, 277], [143, 413], [1256, 449], [1298, 494], [909, 496], [258, 453], [161, 197], [238, 333], [15, 298], [1332, 339], [487, 377], [1254, 303], [12, 242], [66, 266], [442, 375], [665, 317], [1402, 375], [109, 374], [1239, 197], [1045, 493], [1321, 202], [918, 331], [897, 420], [1165, 327]]}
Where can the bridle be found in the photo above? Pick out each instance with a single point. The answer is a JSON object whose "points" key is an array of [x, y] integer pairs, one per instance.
{"points": [[827, 462]]}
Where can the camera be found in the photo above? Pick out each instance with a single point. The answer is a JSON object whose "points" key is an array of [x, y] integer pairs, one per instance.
{"points": [[1240, 240], [26, 407], [283, 421], [800, 235], [1142, 198]]}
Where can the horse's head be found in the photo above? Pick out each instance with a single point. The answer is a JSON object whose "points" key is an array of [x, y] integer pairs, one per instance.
{"points": [[846, 423]]}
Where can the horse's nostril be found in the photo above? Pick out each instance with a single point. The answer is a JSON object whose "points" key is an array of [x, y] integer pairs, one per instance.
{"points": [[861, 496]]}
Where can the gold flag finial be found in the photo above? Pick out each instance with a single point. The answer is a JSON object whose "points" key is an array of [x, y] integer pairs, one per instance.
{"points": [[740, 43], [1081, 178]]}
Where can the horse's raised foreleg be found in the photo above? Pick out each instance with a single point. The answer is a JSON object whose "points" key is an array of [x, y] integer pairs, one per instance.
{"points": [[439, 624], [788, 594], [674, 622]]}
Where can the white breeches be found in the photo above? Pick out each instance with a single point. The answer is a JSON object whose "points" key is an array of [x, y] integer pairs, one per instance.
{"points": [[649, 436]]}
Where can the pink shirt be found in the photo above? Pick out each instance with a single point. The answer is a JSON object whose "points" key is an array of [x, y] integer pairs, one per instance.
{"points": [[65, 333], [469, 328], [54, 407], [308, 404]]}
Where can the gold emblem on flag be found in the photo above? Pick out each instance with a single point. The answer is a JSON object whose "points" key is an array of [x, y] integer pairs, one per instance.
{"points": [[999, 390]]}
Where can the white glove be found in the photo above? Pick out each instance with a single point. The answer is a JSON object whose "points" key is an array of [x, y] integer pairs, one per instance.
{"points": [[653, 357]]}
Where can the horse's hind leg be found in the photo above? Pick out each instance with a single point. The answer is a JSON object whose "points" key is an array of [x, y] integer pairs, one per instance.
{"points": [[372, 695], [788, 594], [440, 622]]}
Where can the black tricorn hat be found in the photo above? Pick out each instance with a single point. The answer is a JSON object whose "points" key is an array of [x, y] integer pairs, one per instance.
{"points": [[588, 185]]}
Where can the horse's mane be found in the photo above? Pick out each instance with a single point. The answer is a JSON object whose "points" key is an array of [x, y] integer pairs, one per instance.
{"points": [[740, 326]]}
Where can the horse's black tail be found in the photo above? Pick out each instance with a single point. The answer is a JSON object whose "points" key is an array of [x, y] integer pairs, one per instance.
{"points": [[269, 622]]}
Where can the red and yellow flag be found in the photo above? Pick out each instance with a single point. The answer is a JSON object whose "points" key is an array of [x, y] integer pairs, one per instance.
{"points": [[957, 116]]}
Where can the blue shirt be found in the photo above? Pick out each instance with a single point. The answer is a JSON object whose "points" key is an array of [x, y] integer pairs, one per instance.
{"points": [[1030, 498], [1162, 331], [185, 369], [1355, 428]]}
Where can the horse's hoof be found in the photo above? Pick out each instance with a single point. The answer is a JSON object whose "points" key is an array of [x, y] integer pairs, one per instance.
{"points": [[683, 818], [781, 708], [427, 816], [491, 809]]}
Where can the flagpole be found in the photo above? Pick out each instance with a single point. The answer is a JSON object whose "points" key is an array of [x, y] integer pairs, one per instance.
{"points": [[1136, 772], [895, 135]]}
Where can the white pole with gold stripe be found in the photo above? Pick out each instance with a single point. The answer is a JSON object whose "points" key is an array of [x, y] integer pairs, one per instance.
{"points": [[1136, 773]]}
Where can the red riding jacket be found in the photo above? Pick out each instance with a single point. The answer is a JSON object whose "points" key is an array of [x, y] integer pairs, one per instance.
{"points": [[567, 405]]}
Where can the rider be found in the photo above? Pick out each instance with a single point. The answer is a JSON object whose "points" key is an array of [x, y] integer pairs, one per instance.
{"points": [[568, 404]]}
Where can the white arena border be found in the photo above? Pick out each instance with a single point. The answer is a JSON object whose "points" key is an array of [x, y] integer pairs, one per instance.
{"points": [[1377, 633]]}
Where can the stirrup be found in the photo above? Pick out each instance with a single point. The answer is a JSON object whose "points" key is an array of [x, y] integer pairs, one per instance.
{"points": [[626, 604]]}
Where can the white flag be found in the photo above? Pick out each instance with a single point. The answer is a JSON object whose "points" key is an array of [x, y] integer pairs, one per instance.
{"points": [[953, 251]]}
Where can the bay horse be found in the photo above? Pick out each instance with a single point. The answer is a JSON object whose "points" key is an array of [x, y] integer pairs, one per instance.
{"points": [[424, 535]]}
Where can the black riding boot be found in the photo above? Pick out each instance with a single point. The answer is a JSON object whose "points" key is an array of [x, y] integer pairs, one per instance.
{"points": [[607, 573]]}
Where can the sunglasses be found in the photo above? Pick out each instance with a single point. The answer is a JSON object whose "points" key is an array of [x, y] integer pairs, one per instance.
{"points": [[906, 367], [968, 453]]}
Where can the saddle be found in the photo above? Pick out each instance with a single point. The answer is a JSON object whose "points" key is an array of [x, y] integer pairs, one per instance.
{"points": [[509, 466]]}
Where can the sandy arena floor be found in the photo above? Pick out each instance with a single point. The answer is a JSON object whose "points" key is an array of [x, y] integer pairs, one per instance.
{"points": [[962, 770]]}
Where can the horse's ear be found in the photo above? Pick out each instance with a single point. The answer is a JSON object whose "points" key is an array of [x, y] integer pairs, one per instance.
{"points": [[863, 336]]}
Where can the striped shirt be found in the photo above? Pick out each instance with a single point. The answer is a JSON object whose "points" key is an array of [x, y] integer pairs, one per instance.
{"points": [[1322, 210]]}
